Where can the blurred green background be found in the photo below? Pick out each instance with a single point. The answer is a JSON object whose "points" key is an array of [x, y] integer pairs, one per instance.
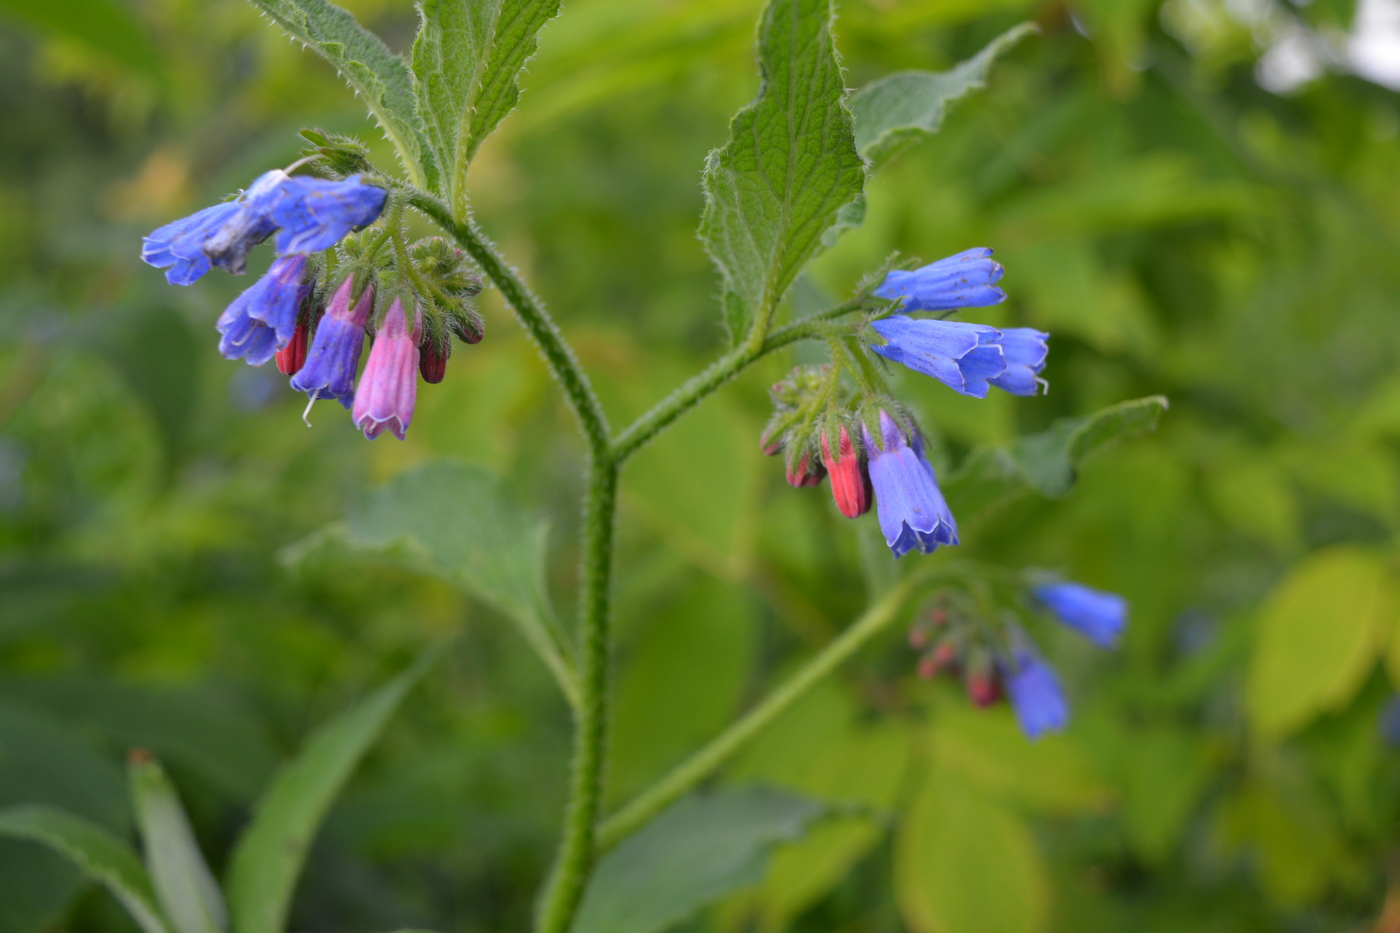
{"points": [[1198, 197]]}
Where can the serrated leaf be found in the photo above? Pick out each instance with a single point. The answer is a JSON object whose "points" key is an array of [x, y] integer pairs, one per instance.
{"points": [[379, 77], [461, 523], [788, 169], [1044, 462], [184, 885], [696, 852], [268, 858], [104, 857], [466, 59], [1318, 637], [901, 107]]}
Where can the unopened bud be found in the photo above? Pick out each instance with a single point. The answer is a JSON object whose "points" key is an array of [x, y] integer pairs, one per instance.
{"points": [[432, 363], [292, 357], [850, 486], [805, 471], [983, 686]]}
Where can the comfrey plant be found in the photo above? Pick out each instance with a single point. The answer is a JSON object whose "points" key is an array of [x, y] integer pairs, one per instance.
{"points": [[790, 178]]}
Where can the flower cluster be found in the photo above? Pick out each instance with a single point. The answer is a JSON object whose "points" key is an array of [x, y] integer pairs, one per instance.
{"points": [[333, 282], [996, 658], [874, 446]]}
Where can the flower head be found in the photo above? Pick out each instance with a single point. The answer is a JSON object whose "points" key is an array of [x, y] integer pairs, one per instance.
{"points": [[335, 350], [313, 214], [1098, 615], [913, 514], [178, 247], [850, 486], [1035, 691], [262, 319], [1025, 351], [961, 281], [249, 225], [388, 387], [964, 357]]}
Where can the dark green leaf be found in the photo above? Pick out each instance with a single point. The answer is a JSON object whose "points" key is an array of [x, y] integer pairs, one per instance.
{"points": [[461, 523], [155, 350], [900, 107], [1044, 462], [379, 77], [104, 25], [268, 858], [466, 59], [788, 169], [103, 856], [696, 852], [186, 888], [36, 887]]}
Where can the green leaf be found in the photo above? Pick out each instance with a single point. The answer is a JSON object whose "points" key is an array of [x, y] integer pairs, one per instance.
{"points": [[105, 26], [187, 890], [268, 858], [788, 169], [696, 852], [466, 59], [1318, 636], [899, 108], [104, 857], [461, 523], [378, 76], [964, 864], [1044, 462]]}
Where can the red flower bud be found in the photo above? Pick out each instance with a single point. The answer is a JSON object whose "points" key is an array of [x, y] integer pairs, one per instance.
{"points": [[292, 357], [983, 687], [850, 485], [805, 472], [432, 363], [941, 660]]}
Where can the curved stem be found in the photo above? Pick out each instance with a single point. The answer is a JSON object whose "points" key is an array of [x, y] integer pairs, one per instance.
{"points": [[578, 847], [723, 747], [557, 352], [698, 387]]}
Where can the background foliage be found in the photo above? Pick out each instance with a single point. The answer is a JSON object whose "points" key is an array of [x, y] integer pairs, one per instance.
{"points": [[1176, 226]]}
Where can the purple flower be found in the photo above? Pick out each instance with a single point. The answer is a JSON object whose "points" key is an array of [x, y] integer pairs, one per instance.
{"points": [[1034, 691], [1025, 352], [329, 371], [912, 512], [314, 214], [964, 357], [261, 320], [389, 386], [178, 247], [961, 281], [1098, 615], [250, 224]]}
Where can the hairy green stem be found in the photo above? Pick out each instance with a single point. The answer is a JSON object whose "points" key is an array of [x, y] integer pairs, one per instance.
{"points": [[578, 846], [537, 322], [698, 387], [711, 757]]}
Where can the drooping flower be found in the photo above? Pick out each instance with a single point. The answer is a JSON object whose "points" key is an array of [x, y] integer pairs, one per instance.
{"points": [[248, 226], [1098, 615], [961, 281], [850, 486], [262, 319], [1034, 690], [964, 357], [1025, 351], [913, 514], [335, 350], [313, 214], [178, 247], [388, 387]]}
